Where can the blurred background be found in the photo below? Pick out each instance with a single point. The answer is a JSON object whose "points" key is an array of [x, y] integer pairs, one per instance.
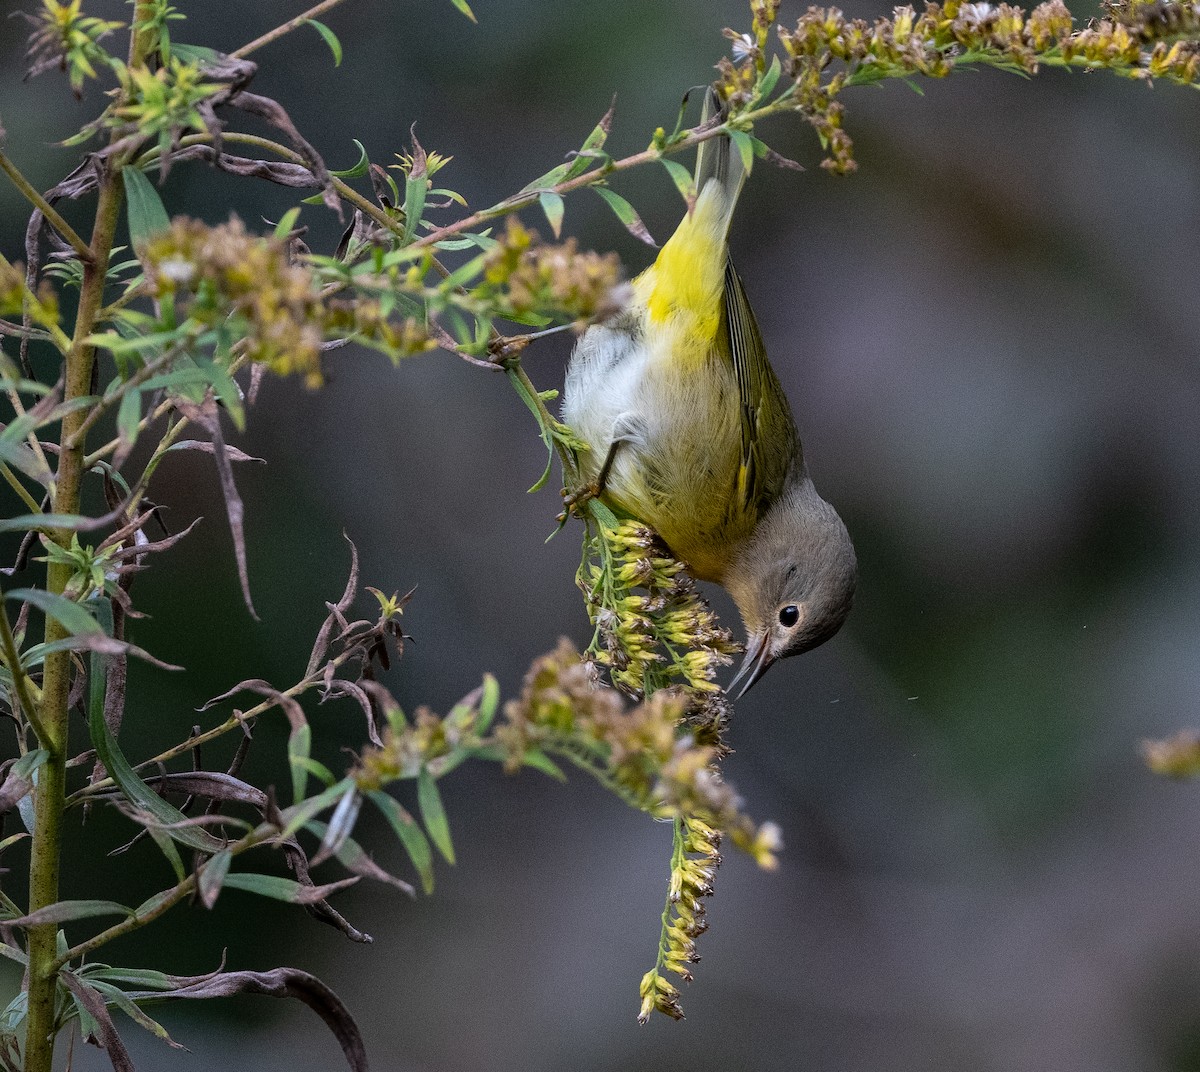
{"points": [[989, 335]]}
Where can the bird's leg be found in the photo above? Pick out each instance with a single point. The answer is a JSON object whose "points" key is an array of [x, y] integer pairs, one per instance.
{"points": [[572, 501]]}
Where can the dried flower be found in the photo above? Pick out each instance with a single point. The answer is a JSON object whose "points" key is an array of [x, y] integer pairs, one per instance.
{"points": [[282, 315]]}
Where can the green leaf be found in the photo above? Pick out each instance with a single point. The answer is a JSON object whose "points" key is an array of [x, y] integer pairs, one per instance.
{"points": [[116, 996], [681, 177], [415, 189], [298, 814], [142, 978], [166, 846], [129, 416], [626, 213], [465, 8], [28, 763], [360, 168], [299, 745], [770, 79], [212, 877], [415, 843], [335, 46], [194, 53], [226, 389], [318, 769], [137, 791], [538, 760], [65, 911], [147, 216], [434, 813], [543, 431], [288, 223], [489, 702], [552, 206], [745, 146], [284, 889], [69, 614]]}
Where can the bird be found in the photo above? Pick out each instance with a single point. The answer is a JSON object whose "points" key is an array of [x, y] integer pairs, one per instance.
{"points": [[689, 431]]}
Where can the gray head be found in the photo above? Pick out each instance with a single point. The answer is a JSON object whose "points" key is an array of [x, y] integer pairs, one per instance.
{"points": [[793, 580]]}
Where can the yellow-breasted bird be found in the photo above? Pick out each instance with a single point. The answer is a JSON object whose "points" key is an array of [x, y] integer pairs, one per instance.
{"points": [[690, 432]]}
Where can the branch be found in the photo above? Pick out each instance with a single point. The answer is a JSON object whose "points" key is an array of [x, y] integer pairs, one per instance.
{"points": [[286, 28], [46, 209]]}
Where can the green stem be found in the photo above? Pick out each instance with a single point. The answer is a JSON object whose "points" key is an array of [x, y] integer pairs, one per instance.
{"points": [[39, 202], [676, 861], [21, 682], [50, 793], [11, 480]]}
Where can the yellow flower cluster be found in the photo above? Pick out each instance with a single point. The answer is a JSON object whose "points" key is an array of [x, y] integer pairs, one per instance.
{"points": [[827, 51], [652, 627]]}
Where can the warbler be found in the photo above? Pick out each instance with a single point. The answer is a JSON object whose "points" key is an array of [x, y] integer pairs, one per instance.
{"points": [[689, 431]]}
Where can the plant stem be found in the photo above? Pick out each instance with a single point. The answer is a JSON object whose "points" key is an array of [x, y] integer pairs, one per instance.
{"points": [[286, 28], [21, 680], [50, 793], [39, 202], [11, 480]]}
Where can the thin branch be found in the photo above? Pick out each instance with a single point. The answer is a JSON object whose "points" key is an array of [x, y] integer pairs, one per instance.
{"points": [[48, 210], [10, 478], [286, 28], [238, 718], [152, 368], [20, 679]]}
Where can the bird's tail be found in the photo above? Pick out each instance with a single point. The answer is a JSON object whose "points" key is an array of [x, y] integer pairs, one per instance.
{"points": [[717, 159]]}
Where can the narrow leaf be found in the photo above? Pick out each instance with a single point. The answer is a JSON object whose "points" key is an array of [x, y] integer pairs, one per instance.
{"points": [[360, 168], [212, 877], [543, 431], [681, 177], [489, 702], [69, 614], [284, 889], [91, 1002], [626, 213], [298, 814], [411, 836], [335, 46], [745, 146], [434, 813], [770, 79], [298, 746], [117, 997], [65, 911], [353, 857], [147, 216], [538, 760], [552, 206], [138, 792], [465, 8]]}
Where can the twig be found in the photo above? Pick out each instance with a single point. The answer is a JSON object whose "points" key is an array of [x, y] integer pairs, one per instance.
{"points": [[46, 209], [286, 28], [20, 679], [10, 478]]}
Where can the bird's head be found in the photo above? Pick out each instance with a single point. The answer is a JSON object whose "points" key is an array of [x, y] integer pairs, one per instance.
{"points": [[792, 580]]}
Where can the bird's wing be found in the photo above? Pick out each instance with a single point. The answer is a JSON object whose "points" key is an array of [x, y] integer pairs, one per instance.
{"points": [[770, 444]]}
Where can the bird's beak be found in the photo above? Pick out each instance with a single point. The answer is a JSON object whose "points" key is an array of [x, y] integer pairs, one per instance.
{"points": [[756, 663]]}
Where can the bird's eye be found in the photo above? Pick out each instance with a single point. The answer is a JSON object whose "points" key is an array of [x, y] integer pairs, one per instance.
{"points": [[789, 615]]}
